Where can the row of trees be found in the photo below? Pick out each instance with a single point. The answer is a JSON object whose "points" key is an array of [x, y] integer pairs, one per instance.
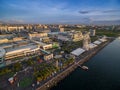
{"points": [[108, 33], [17, 66], [94, 38], [70, 46], [12, 69], [66, 62], [5, 71], [43, 71]]}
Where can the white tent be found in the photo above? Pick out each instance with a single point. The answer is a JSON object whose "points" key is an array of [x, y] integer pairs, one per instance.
{"points": [[102, 40], [78, 51], [97, 42], [91, 45]]}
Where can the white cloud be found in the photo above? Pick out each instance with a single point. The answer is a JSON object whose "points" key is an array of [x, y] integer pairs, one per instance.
{"points": [[13, 21]]}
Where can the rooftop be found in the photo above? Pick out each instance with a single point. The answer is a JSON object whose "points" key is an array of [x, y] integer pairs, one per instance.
{"points": [[78, 51], [91, 45], [2, 52], [97, 42], [20, 49]]}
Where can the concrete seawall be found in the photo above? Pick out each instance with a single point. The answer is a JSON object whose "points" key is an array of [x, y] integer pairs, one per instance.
{"points": [[71, 68]]}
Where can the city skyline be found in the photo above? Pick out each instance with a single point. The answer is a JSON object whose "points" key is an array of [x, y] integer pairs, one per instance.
{"points": [[60, 12]]}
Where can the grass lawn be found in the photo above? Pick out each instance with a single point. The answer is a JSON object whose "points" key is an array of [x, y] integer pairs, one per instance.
{"points": [[25, 82]]}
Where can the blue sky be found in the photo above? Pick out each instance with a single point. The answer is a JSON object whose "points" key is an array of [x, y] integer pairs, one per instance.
{"points": [[60, 11]]}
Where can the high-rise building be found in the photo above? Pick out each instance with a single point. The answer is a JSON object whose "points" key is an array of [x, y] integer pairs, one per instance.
{"points": [[86, 41], [92, 32]]}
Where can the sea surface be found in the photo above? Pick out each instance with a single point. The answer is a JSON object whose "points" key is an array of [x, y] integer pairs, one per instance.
{"points": [[103, 73]]}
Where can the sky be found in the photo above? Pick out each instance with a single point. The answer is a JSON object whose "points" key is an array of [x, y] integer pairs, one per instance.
{"points": [[60, 11]]}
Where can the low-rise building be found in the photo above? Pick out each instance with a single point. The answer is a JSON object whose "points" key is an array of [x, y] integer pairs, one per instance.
{"points": [[4, 40], [2, 54], [45, 39], [48, 56], [43, 45], [20, 51], [11, 28], [76, 36], [47, 46], [62, 29], [70, 36], [91, 46], [63, 38], [57, 56], [97, 42], [37, 35], [78, 51], [17, 39]]}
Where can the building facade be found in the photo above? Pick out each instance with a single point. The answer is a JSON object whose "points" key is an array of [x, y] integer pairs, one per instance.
{"points": [[2, 55], [86, 41], [37, 35], [92, 32], [48, 57]]}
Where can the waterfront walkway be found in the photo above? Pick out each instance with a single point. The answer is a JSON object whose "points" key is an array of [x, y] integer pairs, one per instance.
{"points": [[65, 72]]}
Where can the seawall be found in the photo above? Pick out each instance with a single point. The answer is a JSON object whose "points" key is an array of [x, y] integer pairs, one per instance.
{"points": [[53, 81]]}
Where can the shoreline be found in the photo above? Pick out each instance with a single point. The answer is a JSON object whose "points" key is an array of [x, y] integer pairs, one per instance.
{"points": [[60, 76]]}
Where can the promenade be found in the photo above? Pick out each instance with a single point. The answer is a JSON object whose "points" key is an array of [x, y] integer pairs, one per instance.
{"points": [[65, 72]]}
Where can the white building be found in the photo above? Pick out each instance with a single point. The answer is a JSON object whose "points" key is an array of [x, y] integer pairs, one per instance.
{"points": [[5, 40], [43, 45], [103, 39], [2, 54], [70, 36], [37, 35], [86, 41], [91, 46], [92, 32], [97, 42], [11, 28], [76, 36], [78, 51], [63, 38], [48, 56], [20, 51]]}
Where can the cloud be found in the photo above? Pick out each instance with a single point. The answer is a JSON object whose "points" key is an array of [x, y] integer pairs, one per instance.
{"points": [[52, 11], [13, 21], [99, 11], [111, 11], [84, 12], [87, 12], [18, 21]]}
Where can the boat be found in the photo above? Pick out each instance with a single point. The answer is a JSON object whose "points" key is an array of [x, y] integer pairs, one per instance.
{"points": [[118, 37], [84, 67]]}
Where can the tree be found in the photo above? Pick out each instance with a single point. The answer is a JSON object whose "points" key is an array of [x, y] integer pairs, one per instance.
{"points": [[17, 67]]}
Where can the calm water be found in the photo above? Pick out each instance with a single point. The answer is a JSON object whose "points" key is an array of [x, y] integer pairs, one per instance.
{"points": [[103, 73]]}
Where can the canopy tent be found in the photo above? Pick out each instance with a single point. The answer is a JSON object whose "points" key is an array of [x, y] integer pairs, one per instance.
{"points": [[91, 45], [78, 51], [97, 42]]}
